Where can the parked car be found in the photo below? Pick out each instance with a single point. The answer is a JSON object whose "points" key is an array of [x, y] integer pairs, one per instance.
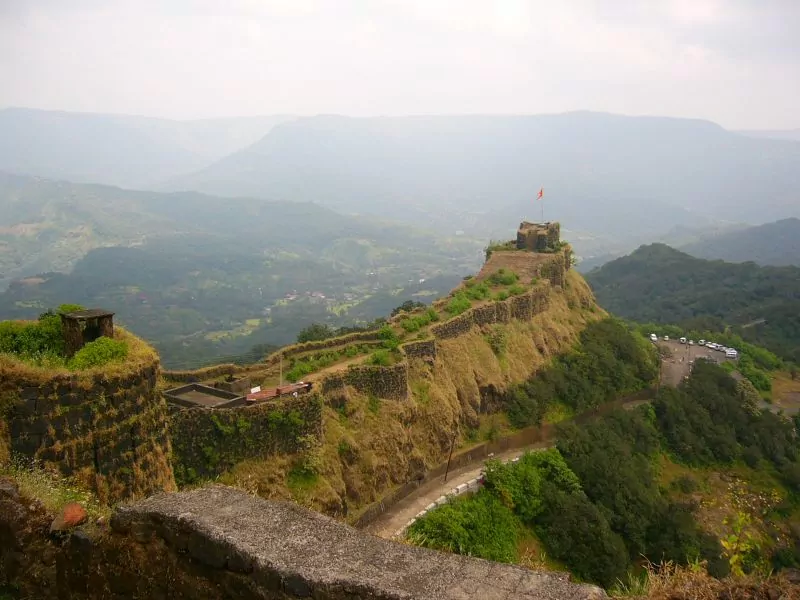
{"points": [[691, 342], [683, 340], [653, 337], [701, 343], [666, 338], [731, 353]]}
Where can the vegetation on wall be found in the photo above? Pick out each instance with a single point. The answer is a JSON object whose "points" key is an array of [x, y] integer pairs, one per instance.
{"points": [[41, 343]]}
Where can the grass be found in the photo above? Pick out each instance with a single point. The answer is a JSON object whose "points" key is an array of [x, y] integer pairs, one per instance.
{"points": [[558, 412], [670, 582], [140, 354], [52, 490]]}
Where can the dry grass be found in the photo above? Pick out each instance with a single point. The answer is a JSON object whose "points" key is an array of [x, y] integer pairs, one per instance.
{"points": [[668, 582], [140, 355], [371, 446], [785, 391], [54, 491]]}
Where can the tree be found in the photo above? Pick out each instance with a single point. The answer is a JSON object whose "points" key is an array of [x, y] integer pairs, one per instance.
{"points": [[407, 306], [315, 332]]}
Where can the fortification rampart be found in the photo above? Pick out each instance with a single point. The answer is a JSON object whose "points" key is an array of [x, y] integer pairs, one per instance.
{"points": [[107, 426], [522, 307], [207, 441], [335, 342], [423, 349], [204, 374], [217, 542]]}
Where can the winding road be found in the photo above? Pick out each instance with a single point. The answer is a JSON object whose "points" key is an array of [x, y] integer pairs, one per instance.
{"points": [[392, 522]]}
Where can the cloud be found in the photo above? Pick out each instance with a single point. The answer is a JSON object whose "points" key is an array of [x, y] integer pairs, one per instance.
{"points": [[734, 62]]}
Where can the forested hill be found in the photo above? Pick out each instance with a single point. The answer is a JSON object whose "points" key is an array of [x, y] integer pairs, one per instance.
{"points": [[776, 244], [659, 284]]}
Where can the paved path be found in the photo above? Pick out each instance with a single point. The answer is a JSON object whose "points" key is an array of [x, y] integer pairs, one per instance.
{"points": [[393, 520]]}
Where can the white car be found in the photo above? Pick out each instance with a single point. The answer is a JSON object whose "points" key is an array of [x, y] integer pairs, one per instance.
{"points": [[731, 353], [653, 337], [691, 342], [666, 338], [701, 343], [683, 340]]}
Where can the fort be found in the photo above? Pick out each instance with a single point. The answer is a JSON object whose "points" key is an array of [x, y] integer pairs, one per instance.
{"points": [[131, 430]]}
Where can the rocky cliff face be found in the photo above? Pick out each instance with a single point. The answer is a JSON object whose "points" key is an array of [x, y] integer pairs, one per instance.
{"points": [[372, 444]]}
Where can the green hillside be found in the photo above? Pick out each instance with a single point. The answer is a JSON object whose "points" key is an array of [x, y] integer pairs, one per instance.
{"points": [[204, 278], [661, 285]]}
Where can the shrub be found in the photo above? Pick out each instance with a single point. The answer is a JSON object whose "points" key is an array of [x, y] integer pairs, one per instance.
{"points": [[503, 277], [497, 340], [502, 295], [479, 291], [100, 352], [516, 290], [685, 484], [478, 525], [458, 304], [381, 358]]}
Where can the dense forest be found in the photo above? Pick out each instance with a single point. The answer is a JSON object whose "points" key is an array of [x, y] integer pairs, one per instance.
{"points": [[661, 285], [596, 502]]}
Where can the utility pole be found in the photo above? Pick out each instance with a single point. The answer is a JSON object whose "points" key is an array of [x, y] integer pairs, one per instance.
{"points": [[449, 456]]}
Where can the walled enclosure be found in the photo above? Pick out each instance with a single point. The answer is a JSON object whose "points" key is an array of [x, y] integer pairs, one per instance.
{"points": [[107, 426], [207, 441], [218, 542]]}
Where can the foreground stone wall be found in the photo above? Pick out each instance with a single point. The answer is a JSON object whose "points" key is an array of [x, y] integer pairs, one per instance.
{"points": [[207, 441], [109, 431], [217, 542]]}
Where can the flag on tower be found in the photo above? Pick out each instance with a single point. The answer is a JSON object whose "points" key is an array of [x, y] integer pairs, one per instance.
{"points": [[541, 194]]}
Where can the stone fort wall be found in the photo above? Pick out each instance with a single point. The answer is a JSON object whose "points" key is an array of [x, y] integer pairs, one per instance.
{"points": [[106, 427], [216, 542], [208, 441]]}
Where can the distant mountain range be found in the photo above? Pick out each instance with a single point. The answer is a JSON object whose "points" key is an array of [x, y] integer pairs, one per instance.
{"points": [[659, 284], [614, 176], [615, 182], [122, 150], [773, 244], [776, 244], [775, 134]]}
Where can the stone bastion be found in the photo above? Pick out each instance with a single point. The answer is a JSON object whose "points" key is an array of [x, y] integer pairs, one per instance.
{"points": [[217, 542], [107, 426]]}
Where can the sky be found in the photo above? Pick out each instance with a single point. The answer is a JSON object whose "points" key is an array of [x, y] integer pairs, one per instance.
{"points": [[735, 62]]}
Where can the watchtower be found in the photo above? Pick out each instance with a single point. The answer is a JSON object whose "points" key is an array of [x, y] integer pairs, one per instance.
{"points": [[538, 237], [83, 326]]}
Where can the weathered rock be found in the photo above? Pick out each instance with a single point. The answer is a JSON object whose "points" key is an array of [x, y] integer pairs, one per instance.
{"points": [[72, 515]]}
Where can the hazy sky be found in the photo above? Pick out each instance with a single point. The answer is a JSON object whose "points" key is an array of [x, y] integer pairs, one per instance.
{"points": [[736, 62]]}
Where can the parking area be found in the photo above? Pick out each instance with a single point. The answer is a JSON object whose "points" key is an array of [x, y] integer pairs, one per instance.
{"points": [[677, 359]]}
